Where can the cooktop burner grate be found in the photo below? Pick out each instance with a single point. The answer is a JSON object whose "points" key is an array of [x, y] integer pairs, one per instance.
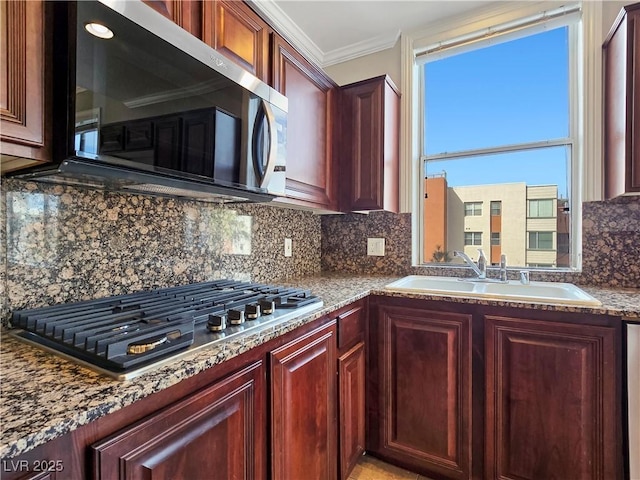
{"points": [[127, 332]]}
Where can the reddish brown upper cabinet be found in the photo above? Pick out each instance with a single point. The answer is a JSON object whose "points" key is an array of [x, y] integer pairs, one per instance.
{"points": [[186, 13], [25, 100], [621, 58], [236, 31], [303, 407], [420, 388], [310, 121], [552, 404], [218, 432], [369, 145]]}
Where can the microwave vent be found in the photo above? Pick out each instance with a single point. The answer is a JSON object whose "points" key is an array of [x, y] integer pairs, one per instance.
{"points": [[181, 192]]}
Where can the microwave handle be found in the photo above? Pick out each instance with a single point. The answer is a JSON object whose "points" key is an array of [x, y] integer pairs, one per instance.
{"points": [[272, 152]]}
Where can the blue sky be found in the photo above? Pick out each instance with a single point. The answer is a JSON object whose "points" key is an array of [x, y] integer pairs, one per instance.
{"points": [[509, 93]]}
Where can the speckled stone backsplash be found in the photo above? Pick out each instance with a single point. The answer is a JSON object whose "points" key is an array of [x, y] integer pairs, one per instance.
{"points": [[65, 244], [611, 246], [611, 242], [344, 243]]}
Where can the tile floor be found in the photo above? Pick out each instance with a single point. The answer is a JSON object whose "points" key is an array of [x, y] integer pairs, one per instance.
{"points": [[370, 468]]}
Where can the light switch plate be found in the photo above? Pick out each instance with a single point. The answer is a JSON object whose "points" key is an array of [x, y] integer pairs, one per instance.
{"points": [[288, 247], [375, 247]]}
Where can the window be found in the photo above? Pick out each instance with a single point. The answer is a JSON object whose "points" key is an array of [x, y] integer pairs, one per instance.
{"points": [[498, 117], [541, 208], [473, 238], [86, 133], [540, 240], [472, 209]]}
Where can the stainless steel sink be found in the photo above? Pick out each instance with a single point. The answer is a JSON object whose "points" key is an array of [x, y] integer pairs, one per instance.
{"points": [[538, 292]]}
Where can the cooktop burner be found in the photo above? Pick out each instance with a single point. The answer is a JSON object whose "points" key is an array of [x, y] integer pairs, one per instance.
{"points": [[127, 335]]}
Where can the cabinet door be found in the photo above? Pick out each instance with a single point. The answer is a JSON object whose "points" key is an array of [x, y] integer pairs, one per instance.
{"points": [[236, 31], [351, 403], [186, 13], [168, 138], [218, 432], [309, 123], [370, 145], [24, 128], [422, 413], [551, 408], [197, 142], [303, 407], [621, 55]]}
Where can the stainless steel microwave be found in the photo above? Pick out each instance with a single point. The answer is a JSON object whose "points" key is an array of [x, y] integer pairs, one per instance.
{"points": [[148, 108]]}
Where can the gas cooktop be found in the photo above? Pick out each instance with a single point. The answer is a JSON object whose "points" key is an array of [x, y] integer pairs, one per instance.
{"points": [[127, 335]]}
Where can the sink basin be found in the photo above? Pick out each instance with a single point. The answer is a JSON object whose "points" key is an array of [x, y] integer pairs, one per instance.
{"points": [[538, 292]]}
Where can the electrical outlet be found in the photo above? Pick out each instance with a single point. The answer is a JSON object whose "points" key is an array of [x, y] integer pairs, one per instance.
{"points": [[288, 247], [375, 247]]}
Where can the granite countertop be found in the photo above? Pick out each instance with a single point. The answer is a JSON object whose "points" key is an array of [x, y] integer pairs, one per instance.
{"points": [[43, 396]]}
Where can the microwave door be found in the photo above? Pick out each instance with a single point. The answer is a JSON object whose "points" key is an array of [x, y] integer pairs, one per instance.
{"points": [[265, 144]]}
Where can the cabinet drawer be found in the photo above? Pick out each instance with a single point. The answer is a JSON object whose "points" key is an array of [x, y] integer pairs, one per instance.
{"points": [[351, 327]]}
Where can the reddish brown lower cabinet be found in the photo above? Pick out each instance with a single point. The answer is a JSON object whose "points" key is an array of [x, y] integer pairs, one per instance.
{"points": [[551, 408], [420, 390], [351, 403], [218, 432], [303, 407], [462, 391]]}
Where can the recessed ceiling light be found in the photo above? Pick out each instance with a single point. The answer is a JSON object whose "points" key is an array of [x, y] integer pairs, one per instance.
{"points": [[98, 30]]}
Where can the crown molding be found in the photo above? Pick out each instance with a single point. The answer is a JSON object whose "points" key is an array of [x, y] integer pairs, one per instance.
{"points": [[288, 28], [359, 49], [291, 31]]}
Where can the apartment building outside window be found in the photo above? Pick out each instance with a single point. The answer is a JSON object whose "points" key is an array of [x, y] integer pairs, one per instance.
{"points": [[494, 143]]}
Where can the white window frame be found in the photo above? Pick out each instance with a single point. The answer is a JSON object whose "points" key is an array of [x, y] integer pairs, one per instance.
{"points": [[586, 181]]}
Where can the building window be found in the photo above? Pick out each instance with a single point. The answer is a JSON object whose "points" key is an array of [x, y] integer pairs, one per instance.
{"points": [[493, 126], [472, 209], [541, 208], [540, 240], [495, 238], [473, 238]]}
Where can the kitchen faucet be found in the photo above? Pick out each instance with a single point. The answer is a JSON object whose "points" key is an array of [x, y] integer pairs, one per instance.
{"points": [[503, 268], [481, 268]]}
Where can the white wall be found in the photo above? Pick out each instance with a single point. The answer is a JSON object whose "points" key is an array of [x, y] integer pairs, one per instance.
{"points": [[610, 10], [373, 65]]}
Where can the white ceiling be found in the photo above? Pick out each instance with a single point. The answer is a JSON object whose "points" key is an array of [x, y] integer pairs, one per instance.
{"points": [[333, 31]]}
